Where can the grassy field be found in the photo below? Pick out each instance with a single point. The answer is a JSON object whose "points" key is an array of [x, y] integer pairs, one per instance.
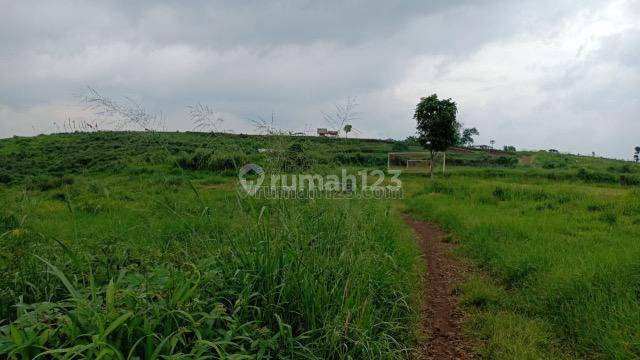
{"points": [[134, 245], [150, 266], [560, 275]]}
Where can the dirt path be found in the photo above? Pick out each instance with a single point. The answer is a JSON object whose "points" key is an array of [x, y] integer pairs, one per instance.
{"points": [[443, 318]]}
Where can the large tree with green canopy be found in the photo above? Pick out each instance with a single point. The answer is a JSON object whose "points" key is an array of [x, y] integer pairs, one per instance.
{"points": [[437, 126]]}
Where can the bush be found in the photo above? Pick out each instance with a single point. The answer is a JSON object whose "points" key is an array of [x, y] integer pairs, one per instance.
{"points": [[203, 159], [596, 176], [399, 146], [295, 159], [508, 161], [8, 221], [49, 183], [501, 194], [360, 159], [485, 160], [556, 163], [629, 180], [5, 178], [623, 169]]}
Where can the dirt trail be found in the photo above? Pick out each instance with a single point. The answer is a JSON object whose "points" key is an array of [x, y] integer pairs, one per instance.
{"points": [[442, 316]]}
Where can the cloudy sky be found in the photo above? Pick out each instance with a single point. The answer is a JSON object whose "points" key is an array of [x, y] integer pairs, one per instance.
{"points": [[534, 74]]}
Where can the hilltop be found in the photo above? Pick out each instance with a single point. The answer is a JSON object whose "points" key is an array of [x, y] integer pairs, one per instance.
{"points": [[57, 155]]}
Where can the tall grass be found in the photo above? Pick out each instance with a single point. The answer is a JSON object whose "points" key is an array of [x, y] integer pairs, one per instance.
{"points": [[166, 269]]}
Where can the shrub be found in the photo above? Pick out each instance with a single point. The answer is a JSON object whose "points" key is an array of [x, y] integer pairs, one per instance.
{"points": [[5, 178], [609, 218], [203, 159], [49, 183], [629, 180], [399, 146], [596, 176], [501, 193], [485, 160], [557, 163], [295, 158], [623, 169], [360, 159], [8, 221], [509, 161]]}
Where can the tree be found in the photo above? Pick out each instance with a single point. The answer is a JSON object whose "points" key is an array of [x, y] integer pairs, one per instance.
{"points": [[636, 155], [347, 129], [436, 123], [467, 136], [412, 140], [492, 142]]}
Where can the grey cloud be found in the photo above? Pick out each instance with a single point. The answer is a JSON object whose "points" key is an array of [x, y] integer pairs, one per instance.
{"points": [[298, 58]]}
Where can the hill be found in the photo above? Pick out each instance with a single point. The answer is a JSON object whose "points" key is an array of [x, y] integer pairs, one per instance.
{"points": [[121, 244], [77, 153]]}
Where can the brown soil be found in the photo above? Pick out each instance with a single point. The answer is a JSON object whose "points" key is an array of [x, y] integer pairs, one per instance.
{"points": [[442, 316]]}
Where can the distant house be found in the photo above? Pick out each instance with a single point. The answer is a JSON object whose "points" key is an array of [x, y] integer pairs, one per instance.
{"points": [[482, 147], [325, 132]]}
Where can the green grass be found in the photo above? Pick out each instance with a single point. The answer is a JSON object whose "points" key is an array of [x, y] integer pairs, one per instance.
{"points": [[564, 257], [155, 265], [133, 245]]}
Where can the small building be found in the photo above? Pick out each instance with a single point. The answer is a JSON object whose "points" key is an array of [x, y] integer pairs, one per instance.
{"points": [[482, 147], [324, 132]]}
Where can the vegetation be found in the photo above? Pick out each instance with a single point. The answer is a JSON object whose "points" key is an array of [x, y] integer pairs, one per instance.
{"points": [[137, 245], [467, 136], [347, 129], [561, 260], [154, 261], [438, 129]]}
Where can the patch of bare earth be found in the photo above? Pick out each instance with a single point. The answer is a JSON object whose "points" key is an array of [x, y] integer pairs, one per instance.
{"points": [[442, 316]]}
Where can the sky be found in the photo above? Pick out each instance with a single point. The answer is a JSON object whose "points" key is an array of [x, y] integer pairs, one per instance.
{"points": [[536, 74]]}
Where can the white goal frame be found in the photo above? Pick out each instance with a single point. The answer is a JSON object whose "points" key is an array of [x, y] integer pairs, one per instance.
{"points": [[425, 162], [408, 158]]}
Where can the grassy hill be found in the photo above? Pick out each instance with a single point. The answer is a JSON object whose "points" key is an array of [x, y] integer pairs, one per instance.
{"points": [[119, 152], [125, 245]]}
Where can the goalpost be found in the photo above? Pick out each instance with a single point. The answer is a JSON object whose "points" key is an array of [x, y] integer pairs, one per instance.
{"points": [[414, 161], [417, 164]]}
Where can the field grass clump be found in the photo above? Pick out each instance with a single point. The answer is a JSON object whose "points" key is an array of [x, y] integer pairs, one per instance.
{"points": [[629, 180], [46, 183], [203, 159], [596, 176], [5, 177]]}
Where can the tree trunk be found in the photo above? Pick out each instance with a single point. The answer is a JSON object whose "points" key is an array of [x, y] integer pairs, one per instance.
{"points": [[444, 161], [431, 165]]}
